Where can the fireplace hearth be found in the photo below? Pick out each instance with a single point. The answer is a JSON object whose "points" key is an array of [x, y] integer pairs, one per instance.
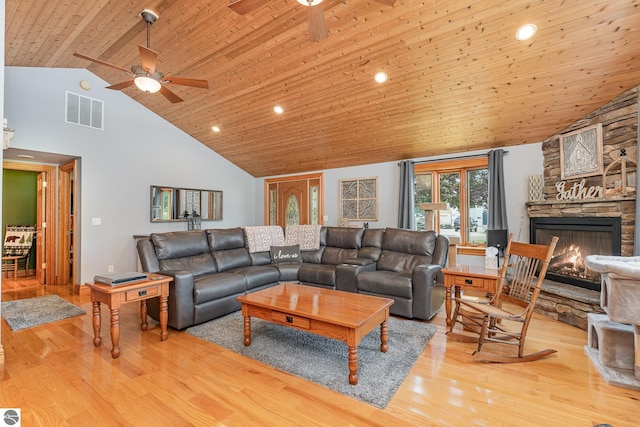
{"points": [[578, 238]]}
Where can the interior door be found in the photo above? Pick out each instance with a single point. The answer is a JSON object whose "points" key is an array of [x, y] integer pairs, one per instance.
{"points": [[41, 223], [66, 224]]}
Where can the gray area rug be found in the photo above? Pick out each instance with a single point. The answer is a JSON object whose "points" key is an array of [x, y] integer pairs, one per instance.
{"points": [[325, 360], [29, 312]]}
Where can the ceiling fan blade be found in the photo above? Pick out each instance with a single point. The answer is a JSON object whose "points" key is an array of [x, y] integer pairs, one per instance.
{"points": [[203, 84], [317, 23], [98, 61], [245, 6], [170, 95], [387, 2], [119, 86], [148, 59]]}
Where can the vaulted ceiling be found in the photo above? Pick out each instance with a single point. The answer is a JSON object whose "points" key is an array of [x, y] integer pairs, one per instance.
{"points": [[458, 78]]}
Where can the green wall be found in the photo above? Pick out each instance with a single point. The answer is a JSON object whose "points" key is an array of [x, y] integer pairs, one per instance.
{"points": [[19, 189]]}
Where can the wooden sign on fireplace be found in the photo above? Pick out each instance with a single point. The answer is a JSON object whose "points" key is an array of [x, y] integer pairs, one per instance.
{"points": [[581, 152]]}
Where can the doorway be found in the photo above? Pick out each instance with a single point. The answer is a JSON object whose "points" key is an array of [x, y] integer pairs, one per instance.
{"points": [[293, 200], [56, 194]]}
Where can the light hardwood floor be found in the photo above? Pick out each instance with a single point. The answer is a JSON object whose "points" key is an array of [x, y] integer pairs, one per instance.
{"points": [[58, 378]]}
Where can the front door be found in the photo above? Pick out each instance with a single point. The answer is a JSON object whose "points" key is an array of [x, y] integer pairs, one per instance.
{"points": [[293, 200]]}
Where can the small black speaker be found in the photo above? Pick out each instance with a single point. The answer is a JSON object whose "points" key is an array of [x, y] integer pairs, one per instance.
{"points": [[497, 238]]}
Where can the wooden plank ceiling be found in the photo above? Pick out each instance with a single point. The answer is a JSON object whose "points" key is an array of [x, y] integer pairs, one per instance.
{"points": [[458, 78]]}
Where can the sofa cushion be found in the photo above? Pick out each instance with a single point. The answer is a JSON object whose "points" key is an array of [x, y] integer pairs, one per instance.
{"points": [[288, 271], [385, 283], [285, 254], [232, 258], [313, 257], [177, 244], [227, 238], [400, 262], [216, 286], [344, 237], [402, 250], [337, 256], [410, 241], [196, 264], [260, 258], [373, 237], [317, 273], [258, 275]]}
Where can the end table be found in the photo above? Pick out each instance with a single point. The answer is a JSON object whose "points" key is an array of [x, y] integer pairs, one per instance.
{"points": [[155, 285], [468, 277]]}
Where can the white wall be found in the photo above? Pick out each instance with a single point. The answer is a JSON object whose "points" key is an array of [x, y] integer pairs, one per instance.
{"points": [[136, 149], [522, 161]]}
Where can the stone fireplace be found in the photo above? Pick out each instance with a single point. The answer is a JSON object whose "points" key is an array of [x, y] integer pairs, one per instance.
{"points": [[590, 214]]}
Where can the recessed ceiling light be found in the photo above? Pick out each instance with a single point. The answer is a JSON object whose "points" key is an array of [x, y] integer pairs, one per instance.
{"points": [[526, 32], [278, 109], [215, 128], [309, 3], [381, 77], [25, 156]]}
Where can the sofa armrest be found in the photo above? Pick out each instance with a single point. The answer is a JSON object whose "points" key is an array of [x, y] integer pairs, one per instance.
{"points": [[428, 290], [346, 275], [181, 307]]}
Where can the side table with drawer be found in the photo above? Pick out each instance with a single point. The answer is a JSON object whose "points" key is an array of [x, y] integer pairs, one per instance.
{"points": [[155, 285], [468, 277]]}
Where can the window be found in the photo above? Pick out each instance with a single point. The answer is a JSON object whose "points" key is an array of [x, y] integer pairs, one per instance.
{"points": [[464, 186]]}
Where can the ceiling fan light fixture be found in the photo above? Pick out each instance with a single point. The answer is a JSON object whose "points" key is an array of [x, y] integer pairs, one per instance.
{"points": [[147, 84], [309, 2]]}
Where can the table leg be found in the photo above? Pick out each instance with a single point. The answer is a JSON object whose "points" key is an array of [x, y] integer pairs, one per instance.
{"points": [[447, 303], [143, 315], [353, 365], [115, 332], [97, 321], [164, 316], [384, 337], [247, 330]]}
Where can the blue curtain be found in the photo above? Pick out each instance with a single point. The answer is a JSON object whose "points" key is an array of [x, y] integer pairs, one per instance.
{"points": [[497, 199], [405, 209]]}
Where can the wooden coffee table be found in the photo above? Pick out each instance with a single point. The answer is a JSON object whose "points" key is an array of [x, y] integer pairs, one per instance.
{"points": [[340, 315], [155, 285]]}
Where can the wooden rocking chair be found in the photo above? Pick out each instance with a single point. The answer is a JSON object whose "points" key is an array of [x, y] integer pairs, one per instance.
{"points": [[519, 284]]}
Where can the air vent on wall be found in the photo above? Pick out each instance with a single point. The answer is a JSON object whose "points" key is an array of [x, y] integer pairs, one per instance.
{"points": [[84, 111]]}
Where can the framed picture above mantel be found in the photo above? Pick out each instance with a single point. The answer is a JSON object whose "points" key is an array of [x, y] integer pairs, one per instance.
{"points": [[581, 152]]}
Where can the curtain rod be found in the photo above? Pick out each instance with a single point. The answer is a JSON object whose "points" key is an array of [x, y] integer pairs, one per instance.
{"points": [[470, 156]]}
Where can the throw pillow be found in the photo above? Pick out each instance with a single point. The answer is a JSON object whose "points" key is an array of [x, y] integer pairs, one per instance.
{"points": [[285, 254]]}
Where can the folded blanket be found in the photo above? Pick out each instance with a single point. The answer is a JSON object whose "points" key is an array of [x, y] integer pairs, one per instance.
{"points": [[261, 238], [307, 236]]}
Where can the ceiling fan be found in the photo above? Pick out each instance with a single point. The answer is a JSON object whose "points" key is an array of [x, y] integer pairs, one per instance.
{"points": [[317, 22], [145, 76]]}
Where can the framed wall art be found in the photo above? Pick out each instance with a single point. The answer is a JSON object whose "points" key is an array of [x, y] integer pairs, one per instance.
{"points": [[581, 152], [359, 199]]}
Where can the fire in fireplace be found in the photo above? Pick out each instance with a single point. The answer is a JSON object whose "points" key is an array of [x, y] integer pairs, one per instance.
{"points": [[578, 238]]}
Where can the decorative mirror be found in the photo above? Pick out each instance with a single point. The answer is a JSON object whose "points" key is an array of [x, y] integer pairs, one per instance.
{"points": [[171, 204]]}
